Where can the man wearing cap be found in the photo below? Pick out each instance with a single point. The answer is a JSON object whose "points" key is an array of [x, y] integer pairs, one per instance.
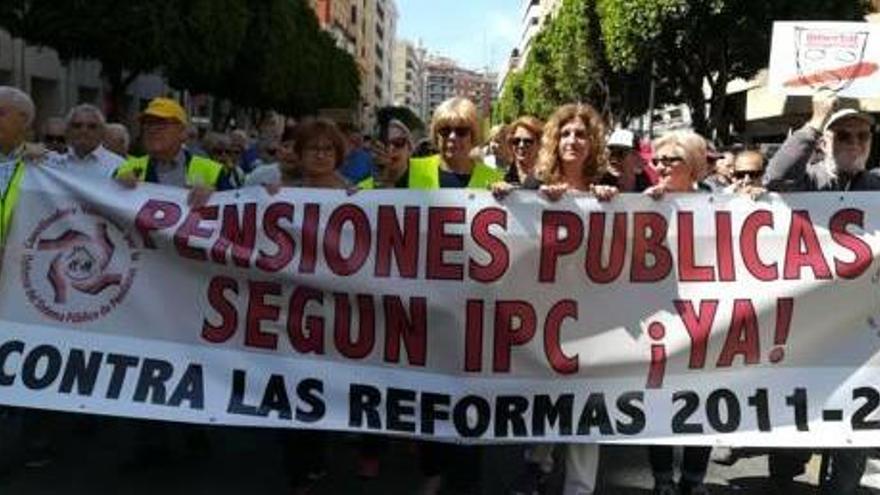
{"points": [[627, 172], [845, 138], [164, 126]]}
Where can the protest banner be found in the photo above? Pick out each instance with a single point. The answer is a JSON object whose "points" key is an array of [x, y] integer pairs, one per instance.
{"points": [[448, 315], [841, 56]]}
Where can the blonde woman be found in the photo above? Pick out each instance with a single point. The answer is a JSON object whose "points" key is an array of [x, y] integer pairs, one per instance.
{"points": [[455, 131], [680, 161]]}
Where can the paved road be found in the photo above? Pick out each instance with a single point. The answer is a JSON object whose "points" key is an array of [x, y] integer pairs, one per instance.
{"points": [[96, 458]]}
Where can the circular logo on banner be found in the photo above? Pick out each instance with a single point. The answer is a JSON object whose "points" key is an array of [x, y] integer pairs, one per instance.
{"points": [[78, 265]]}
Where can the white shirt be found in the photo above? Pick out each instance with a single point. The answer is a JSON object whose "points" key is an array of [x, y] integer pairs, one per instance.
{"points": [[99, 163], [268, 174]]}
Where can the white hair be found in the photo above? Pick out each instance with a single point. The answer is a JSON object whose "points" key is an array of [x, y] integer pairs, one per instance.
{"points": [[86, 108], [121, 130], [20, 100]]}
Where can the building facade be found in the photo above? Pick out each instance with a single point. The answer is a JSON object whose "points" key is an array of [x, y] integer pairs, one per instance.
{"points": [[409, 77], [340, 18], [57, 87], [534, 15], [445, 79]]}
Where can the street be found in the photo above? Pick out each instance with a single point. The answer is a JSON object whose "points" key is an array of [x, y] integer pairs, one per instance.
{"points": [[97, 457]]}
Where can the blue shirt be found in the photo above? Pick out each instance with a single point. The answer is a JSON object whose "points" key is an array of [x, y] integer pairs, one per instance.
{"points": [[358, 165]]}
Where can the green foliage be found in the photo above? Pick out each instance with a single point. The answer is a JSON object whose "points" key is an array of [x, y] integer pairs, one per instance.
{"points": [[257, 53], [697, 41], [510, 105]]}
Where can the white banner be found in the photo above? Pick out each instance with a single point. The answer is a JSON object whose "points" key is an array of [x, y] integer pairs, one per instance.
{"points": [[694, 320], [841, 56]]}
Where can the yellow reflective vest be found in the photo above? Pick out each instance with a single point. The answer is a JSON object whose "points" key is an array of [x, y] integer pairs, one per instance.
{"points": [[199, 170], [424, 173], [10, 199]]}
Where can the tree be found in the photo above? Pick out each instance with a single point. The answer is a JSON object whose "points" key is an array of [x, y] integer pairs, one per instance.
{"points": [[510, 105], [258, 53], [697, 42]]}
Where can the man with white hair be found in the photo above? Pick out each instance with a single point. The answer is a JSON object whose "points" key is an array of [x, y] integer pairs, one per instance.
{"points": [[117, 139], [842, 136], [16, 116], [86, 155], [845, 138]]}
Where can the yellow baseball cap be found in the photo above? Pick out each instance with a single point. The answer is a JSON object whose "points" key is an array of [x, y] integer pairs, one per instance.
{"points": [[165, 108]]}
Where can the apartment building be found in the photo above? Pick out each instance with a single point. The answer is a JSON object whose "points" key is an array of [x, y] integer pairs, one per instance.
{"points": [[409, 77], [446, 79]]}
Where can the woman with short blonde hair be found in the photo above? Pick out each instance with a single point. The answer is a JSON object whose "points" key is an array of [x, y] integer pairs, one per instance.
{"points": [[680, 160], [455, 113]]}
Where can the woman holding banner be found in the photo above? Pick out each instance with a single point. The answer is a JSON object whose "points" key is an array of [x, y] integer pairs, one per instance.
{"points": [[680, 161]]}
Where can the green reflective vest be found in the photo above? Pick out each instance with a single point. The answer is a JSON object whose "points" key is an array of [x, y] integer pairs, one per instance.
{"points": [[10, 199], [199, 170], [424, 173]]}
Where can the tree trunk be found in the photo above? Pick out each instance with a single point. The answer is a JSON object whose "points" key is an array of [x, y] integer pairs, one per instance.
{"points": [[114, 99]]}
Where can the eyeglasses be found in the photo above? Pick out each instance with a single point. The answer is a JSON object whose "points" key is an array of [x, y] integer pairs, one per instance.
{"points": [[750, 174], [320, 149], [398, 143], [271, 151], [618, 152], [460, 131], [524, 142], [92, 126], [54, 139], [848, 136], [158, 125], [667, 160], [222, 152]]}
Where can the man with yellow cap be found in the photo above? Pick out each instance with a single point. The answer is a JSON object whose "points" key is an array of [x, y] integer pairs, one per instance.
{"points": [[164, 128]]}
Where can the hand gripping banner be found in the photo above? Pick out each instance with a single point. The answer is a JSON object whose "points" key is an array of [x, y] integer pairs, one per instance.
{"points": [[448, 315]]}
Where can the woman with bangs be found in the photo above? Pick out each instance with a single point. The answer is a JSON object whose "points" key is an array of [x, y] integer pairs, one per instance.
{"points": [[680, 160], [310, 156], [455, 131]]}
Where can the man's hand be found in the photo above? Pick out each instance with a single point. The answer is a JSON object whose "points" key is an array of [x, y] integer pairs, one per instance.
{"points": [[199, 196], [824, 103], [34, 153]]}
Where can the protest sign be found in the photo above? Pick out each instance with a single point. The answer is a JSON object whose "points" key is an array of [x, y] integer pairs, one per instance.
{"points": [[447, 315], [841, 56]]}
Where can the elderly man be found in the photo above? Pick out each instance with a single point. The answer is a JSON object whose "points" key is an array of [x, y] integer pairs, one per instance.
{"points": [[117, 139], [845, 137], [16, 116], [53, 136], [164, 128], [626, 170], [87, 156]]}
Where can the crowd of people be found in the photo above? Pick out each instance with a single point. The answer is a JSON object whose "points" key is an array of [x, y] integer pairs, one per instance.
{"points": [[573, 152]]}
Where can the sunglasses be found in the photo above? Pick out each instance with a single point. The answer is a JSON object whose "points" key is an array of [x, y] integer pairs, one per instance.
{"points": [[524, 142], [849, 137], [222, 151], [751, 174], [54, 139], [462, 131], [92, 126], [667, 160], [398, 143]]}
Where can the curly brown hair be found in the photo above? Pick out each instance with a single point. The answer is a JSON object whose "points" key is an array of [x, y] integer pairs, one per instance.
{"points": [[313, 129], [549, 168]]}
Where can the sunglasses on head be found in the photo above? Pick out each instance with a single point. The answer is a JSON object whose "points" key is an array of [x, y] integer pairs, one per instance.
{"points": [[524, 142], [460, 131], [847, 136], [667, 160], [751, 174]]}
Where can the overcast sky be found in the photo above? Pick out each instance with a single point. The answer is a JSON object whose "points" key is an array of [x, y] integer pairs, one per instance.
{"points": [[476, 33]]}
